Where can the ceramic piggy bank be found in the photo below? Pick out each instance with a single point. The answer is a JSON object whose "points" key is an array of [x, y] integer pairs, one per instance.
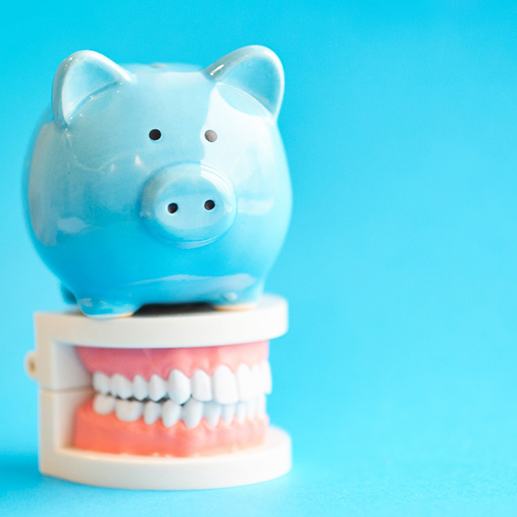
{"points": [[161, 183]]}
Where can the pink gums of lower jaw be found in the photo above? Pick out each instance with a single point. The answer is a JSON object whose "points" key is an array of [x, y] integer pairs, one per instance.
{"points": [[160, 361]]}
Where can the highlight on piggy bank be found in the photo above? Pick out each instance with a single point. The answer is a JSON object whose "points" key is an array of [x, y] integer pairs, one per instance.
{"points": [[161, 183]]}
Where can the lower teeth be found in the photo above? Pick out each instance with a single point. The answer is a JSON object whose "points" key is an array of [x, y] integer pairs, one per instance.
{"points": [[191, 412]]}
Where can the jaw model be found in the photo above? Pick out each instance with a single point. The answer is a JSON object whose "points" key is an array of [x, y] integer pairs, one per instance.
{"points": [[163, 401]]}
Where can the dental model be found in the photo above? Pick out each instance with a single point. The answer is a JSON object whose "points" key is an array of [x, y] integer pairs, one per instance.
{"points": [[166, 400], [162, 185]]}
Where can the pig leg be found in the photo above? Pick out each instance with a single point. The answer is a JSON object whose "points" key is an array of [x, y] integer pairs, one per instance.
{"points": [[240, 300], [97, 308], [67, 295]]}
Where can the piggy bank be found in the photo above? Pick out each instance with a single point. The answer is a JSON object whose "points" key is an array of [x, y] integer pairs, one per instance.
{"points": [[162, 183]]}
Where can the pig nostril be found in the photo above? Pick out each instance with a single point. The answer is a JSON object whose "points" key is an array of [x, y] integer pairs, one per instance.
{"points": [[172, 208], [155, 134], [209, 204]]}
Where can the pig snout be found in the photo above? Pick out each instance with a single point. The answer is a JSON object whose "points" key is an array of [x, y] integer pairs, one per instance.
{"points": [[189, 204]]}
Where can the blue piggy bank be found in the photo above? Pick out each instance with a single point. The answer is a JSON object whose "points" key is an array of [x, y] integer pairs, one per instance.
{"points": [[161, 183]]}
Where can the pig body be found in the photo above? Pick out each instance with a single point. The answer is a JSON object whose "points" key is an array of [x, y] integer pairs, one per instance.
{"points": [[161, 183]]}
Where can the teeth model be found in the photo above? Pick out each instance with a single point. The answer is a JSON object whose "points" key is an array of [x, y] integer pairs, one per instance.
{"points": [[159, 401], [175, 402]]}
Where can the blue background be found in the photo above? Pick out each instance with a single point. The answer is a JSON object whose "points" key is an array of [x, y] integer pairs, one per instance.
{"points": [[398, 377]]}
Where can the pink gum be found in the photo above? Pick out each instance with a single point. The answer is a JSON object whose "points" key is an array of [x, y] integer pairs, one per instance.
{"points": [[160, 361]]}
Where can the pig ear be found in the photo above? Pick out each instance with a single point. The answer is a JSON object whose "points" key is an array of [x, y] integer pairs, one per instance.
{"points": [[79, 76], [256, 70]]}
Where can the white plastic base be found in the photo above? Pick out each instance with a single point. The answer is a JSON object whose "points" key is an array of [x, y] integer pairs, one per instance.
{"points": [[269, 461]]}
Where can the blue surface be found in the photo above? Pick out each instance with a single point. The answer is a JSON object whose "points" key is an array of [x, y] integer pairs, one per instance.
{"points": [[398, 377]]}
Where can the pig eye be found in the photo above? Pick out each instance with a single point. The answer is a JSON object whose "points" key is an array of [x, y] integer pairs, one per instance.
{"points": [[210, 135], [155, 134]]}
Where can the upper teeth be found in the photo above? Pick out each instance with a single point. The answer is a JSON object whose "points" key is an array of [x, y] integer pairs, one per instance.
{"points": [[223, 386]]}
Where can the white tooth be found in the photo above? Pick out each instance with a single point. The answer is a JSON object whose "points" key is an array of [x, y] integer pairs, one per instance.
{"points": [[225, 385], [267, 380], [140, 388], [170, 413], [101, 382], [201, 386], [178, 387], [192, 412], [212, 413], [245, 382], [157, 387], [227, 413], [128, 410], [252, 408], [120, 386], [261, 406], [242, 411], [152, 412], [103, 404], [256, 374]]}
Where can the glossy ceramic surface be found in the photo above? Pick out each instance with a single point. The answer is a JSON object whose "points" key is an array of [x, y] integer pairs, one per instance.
{"points": [[161, 183]]}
